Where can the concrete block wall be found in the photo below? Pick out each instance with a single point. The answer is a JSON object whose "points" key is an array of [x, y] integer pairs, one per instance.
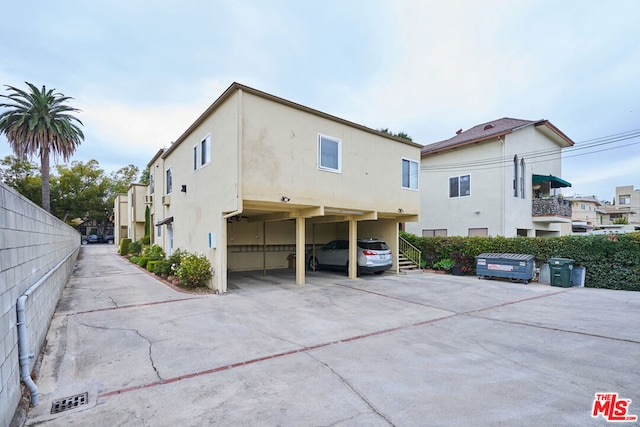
{"points": [[32, 244]]}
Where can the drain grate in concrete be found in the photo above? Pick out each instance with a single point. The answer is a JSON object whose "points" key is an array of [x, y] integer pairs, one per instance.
{"points": [[70, 402]]}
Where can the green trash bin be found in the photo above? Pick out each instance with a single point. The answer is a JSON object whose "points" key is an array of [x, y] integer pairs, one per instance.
{"points": [[561, 270]]}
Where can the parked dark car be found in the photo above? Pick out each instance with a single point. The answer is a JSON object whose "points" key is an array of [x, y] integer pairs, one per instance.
{"points": [[97, 238], [374, 256]]}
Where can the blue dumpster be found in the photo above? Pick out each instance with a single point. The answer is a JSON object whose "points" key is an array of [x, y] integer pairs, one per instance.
{"points": [[508, 266]]}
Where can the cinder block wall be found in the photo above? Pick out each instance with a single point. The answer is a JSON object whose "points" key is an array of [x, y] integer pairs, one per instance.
{"points": [[32, 244]]}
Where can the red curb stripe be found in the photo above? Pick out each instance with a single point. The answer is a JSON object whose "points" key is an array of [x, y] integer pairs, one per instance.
{"points": [[318, 346], [271, 357], [97, 310]]}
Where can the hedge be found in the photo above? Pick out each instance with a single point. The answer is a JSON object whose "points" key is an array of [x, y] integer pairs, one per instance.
{"points": [[124, 246], [611, 261]]}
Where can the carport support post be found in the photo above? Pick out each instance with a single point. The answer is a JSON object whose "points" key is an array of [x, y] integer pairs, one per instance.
{"points": [[300, 252], [353, 249]]}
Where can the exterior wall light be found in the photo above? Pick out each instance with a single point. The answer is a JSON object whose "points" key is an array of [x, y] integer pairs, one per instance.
{"points": [[285, 199]]}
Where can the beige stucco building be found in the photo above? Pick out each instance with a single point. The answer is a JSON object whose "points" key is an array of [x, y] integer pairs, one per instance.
{"points": [[586, 213], [257, 179], [120, 218], [497, 178], [626, 207]]}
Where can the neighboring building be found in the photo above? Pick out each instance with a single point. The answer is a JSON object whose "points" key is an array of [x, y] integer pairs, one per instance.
{"points": [[626, 207], [497, 178], [120, 218], [257, 179], [586, 213], [138, 201]]}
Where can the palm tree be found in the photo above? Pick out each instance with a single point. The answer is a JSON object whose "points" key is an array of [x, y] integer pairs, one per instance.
{"points": [[39, 122]]}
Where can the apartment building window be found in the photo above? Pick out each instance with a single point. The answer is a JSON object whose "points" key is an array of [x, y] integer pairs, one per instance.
{"points": [[329, 153], [409, 174], [151, 184], [202, 153], [169, 181], [196, 158], [433, 232], [159, 230], [522, 179], [205, 150], [478, 232], [625, 200], [460, 186]]}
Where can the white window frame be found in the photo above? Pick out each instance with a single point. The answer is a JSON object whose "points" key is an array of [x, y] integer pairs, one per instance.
{"points": [[459, 179], [624, 200], [412, 185], [196, 158], [168, 181], [333, 139], [205, 150], [152, 184]]}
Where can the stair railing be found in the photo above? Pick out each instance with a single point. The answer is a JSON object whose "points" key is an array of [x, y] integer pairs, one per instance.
{"points": [[409, 251]]}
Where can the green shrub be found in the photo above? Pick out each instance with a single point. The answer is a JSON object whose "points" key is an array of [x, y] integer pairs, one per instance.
{"points": [[145, 240], [135, 248], [611, 262], [151, 266], [142, 261], [154, 253], [444, 264], [124, 246], [134, 259], [194, 270], [161, 267]]}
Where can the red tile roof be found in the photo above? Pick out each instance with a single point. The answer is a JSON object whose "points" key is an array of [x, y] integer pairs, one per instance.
{"points": [[488, 130]]}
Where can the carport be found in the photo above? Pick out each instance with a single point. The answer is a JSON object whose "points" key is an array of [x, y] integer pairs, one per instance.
{"points": [[265, 235]]}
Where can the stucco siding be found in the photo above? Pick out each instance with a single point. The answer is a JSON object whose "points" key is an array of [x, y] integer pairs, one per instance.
{"points": [[280, 154]]}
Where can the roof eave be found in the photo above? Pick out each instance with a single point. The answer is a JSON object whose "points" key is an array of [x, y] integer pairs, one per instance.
{"points": [[465, 143], [555, 130], [237, 86]]}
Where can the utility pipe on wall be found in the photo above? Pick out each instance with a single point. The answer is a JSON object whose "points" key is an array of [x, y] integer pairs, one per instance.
{"points": [[25, 355]]}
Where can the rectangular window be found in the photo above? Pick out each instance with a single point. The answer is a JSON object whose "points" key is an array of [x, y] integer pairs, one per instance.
{"points": [[195, 158], [329, 153], [460, 186], [151, 183], [478, 232], [169, 181], [159, 230], [433, 232], [409, 174], [205, 151], [625, 200]]}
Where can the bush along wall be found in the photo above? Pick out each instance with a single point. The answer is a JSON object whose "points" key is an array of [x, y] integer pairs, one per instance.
{"points": [[611, 262]]}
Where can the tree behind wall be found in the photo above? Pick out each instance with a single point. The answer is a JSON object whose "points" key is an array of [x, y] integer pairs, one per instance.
{"points": [[38, 122]]}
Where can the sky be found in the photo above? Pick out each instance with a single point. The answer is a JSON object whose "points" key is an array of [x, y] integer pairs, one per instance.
{"points": [[142, 71]]}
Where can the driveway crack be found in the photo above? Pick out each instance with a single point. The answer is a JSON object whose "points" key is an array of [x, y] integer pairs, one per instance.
{"points": [[149, 344], [355, 391]]}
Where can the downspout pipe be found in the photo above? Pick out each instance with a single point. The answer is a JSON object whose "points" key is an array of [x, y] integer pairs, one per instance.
{"points": [[23, 338], [23, 350]]}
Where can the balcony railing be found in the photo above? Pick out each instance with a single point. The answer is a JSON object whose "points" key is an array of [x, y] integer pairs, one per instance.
{"points": [[551, 207]]}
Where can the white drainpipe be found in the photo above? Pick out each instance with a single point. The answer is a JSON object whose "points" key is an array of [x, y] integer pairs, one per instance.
{"points": [[23, 340]]}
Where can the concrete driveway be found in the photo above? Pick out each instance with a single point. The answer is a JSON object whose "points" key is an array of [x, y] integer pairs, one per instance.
{"points": [[412, 350]]}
